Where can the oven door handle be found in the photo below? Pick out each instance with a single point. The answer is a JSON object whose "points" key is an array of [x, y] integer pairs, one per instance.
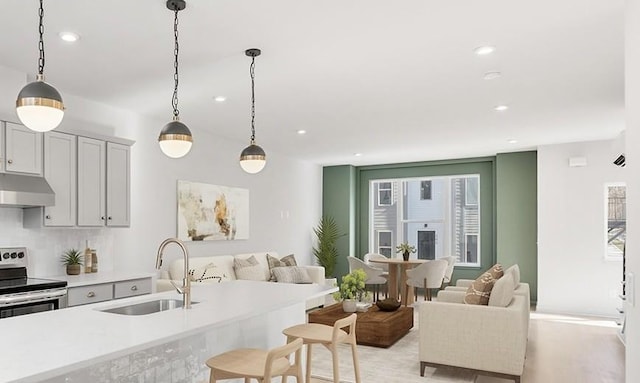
{"points": [[32, 297]]}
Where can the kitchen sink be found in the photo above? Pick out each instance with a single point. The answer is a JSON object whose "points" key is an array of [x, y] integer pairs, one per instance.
{"points": [[145, 308]]}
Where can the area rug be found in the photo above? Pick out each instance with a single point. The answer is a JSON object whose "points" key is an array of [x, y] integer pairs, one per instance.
{"points": [[396, 364]]}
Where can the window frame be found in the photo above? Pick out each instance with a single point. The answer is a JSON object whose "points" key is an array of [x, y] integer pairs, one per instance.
{"points": [[448, 236], [467, 188], [390, 247], [607, 255]]}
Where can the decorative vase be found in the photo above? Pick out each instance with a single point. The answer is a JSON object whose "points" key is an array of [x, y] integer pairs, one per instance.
{"points": [[349, 305], [405, 256], [73, 269]]}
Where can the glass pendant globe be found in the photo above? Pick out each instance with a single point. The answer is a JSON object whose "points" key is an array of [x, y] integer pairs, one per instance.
{"points": [[252, 166], [175, 148], [40, 118]]}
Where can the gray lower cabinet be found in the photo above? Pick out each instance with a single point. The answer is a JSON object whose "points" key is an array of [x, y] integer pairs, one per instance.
{"points": [[82, 295]]}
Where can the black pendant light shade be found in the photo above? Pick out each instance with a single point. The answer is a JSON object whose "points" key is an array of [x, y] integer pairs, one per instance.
{"points": [[253, 158], [175, 139], [39, 105]]}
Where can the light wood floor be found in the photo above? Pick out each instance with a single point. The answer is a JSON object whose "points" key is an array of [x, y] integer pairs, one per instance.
{"points": [[561, 349]]}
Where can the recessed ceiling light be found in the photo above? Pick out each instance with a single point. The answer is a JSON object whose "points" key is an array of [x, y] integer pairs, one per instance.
{"points": [[492, 75], [301, 132], [357, 154], [220, 98], [69, 37], [484, 50], [512, 141], [501, 108]]}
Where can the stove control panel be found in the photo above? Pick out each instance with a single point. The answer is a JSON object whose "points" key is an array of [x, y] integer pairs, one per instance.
{"points": [[13, 256]]}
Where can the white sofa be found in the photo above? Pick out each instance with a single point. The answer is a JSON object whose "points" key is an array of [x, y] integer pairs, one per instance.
{"points": [[224, 267]]}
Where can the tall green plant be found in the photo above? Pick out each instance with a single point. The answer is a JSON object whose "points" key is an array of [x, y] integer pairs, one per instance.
{"points": [[326, 252]]}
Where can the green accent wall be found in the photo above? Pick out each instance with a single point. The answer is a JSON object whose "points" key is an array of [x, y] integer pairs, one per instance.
{"points": [[508, 204], [516, 214], [338, 201]]}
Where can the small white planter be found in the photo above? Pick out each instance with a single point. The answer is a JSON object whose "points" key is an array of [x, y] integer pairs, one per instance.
{"points": [[349, 305]]}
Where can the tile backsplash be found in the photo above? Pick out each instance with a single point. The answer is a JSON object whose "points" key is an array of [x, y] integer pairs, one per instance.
{"points": [[46, 245]]}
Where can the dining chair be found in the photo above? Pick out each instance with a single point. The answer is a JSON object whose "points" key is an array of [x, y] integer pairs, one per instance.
{"points": [[375, 276], [370, 256], [451, 262], [262, 365], [330, 337], [428, 275]]}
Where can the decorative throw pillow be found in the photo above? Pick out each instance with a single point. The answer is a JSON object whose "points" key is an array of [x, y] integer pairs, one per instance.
{"points": [[289, 260], [479, 291], [496, 271], [502, 292], [249, 269], [291, 274], [515, 272], [208, 273]]}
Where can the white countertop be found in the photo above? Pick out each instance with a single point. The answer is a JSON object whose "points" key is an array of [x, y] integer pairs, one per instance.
{"points": [[98, 277], [45, 345]]}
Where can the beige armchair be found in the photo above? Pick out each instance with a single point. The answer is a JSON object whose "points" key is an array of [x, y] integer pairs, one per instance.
{"points": [[488, 340]]}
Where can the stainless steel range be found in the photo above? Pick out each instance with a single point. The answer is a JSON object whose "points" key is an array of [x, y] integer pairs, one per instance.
{"points": [[20, 294]]}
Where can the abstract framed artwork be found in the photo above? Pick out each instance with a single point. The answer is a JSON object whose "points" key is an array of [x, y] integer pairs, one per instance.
{"points": [[212, 212]]}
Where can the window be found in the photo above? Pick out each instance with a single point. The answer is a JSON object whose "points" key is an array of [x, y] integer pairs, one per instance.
{"points": [[439, 216], [425, 190], [385, 246], [471, 248], [385, 194], [471, 191], [616, 216]]}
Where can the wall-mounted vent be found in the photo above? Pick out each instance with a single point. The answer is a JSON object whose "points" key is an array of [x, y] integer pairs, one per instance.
{"points": [[620, 161]]}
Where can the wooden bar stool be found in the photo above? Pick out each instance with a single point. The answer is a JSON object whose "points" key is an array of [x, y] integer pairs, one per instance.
{"points": [[251, 363], [329, 337]]}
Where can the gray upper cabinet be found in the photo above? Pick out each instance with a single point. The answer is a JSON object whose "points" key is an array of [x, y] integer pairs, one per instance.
{"points": [[103, 183], [23, 150], [92, 167], [118, 184], [60, 171], [2, 151], [90, 178]]}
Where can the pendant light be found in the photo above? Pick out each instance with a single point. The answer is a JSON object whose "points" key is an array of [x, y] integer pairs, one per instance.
{"points": [[39, 105], [175, 138], [253, 158]]}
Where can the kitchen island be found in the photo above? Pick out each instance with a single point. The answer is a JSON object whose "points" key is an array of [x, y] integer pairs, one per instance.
{"points": [[84, 344]]}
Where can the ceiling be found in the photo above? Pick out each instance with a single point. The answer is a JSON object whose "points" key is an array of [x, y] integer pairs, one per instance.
{"points": [[394, 81]]}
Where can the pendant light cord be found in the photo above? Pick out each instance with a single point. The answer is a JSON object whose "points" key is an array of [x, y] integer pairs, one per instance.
{"points": [[253, 99], [174, 99], [41, 42]]}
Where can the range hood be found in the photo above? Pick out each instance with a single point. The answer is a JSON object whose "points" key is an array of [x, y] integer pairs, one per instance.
{"points": [[25, 191]]}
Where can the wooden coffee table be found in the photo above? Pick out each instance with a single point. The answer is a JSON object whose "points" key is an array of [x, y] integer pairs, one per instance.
{"points": [[373, 328]]}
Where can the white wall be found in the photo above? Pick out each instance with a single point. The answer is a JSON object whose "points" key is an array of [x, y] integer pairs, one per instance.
{"points": [[285, 198], [573, 276], [632, 152]]}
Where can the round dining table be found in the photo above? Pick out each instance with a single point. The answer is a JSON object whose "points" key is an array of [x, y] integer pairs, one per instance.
{"points": [[395, 265]]}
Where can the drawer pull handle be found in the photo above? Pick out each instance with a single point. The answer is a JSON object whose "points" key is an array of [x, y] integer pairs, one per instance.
{"points": [[48, 216], [134, 288], [10, 162], [91, 294]]}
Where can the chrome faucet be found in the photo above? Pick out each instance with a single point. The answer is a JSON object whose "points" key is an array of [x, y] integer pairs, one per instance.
{"points": [[185, 290]]}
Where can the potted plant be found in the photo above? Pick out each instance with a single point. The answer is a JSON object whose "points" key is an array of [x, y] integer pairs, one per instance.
{"points": [[326, 252], [72, 258], [405, 249], [351, 290]]}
